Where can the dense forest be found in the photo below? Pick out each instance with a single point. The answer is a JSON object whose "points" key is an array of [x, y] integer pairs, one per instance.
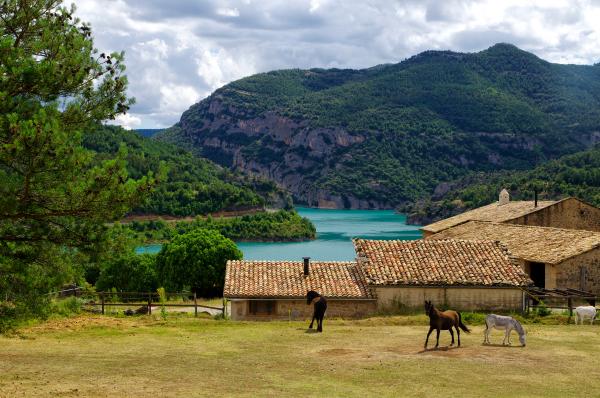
{"points": [[192, 185], [389, 135], [575, 175], [265, 226]]}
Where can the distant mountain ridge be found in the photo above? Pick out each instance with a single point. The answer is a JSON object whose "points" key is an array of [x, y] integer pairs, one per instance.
{"points": [[384, 136]]}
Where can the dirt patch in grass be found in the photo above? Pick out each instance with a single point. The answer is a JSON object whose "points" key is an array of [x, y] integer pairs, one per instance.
{"points": [[82, 322], [337, 352]]}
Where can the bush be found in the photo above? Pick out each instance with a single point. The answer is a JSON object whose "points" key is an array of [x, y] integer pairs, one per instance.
{"points": [[67, 307], [129, 273], [196, 260], [542, 310]]}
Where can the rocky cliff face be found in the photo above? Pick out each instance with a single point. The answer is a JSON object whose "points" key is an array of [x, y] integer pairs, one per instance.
{"points": [[287, 151], [381, 137]]}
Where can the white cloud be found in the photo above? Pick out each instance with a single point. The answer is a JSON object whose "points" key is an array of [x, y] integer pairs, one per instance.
{"points": [[228, 12], [127, 121], [179, 51]]}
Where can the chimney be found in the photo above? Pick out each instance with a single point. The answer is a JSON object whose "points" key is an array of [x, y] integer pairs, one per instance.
{"points": [[504, 197], [306, 265], [535, 198]]}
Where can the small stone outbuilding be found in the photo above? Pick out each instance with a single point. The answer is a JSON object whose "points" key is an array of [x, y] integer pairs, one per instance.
{"points": [[569, 213], [463, 275], [263, 290], [552, 257]]}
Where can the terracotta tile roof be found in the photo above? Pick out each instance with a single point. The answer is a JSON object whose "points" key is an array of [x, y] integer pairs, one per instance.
{"points": [[537, 244], [285, 279], [435, 262], [492, 212]]}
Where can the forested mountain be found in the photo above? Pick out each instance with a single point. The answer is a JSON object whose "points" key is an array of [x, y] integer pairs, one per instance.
{"points": [[148, 132], [388, 135], [192, 185], [575, 175]]}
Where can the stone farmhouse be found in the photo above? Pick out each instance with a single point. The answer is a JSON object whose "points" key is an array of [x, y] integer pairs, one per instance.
{"points": [[569, 213], [261, 290], [465, 275], [552, 257]]}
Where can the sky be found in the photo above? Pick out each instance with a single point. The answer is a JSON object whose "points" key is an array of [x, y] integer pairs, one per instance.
{"points": [[177, 52]]}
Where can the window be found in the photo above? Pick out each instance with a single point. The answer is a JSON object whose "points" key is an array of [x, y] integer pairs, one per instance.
{"points": [[264, 307]]}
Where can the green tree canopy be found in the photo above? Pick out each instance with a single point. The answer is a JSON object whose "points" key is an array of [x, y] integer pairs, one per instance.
{"points": [[196, 260], [53, 85], [129, 273], [55, 196]]}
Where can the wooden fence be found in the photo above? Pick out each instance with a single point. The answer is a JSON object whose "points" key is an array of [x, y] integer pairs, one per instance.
{"points": [[143, 300], [566, 299]]}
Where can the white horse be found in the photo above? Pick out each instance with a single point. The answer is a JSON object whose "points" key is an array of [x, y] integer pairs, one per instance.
{"points": [[585, 311], [505, 323]]}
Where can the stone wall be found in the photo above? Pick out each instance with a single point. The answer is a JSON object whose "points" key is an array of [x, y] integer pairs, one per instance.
{"points": [[569, 274], [298, 310], [459, 298], [569, 213]]}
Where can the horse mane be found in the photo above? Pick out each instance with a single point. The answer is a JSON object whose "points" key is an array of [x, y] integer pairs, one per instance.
{"points": [[518, 326]]}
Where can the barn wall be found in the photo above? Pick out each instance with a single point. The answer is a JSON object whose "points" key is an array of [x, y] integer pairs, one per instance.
{"points": [[462, 298], [569, 273], [297, 309], [570, 214]]}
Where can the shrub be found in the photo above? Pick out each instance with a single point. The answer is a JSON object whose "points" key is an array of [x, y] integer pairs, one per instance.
{"points": [[68, 306], [130, 273], [196, 260], [542, 310]]}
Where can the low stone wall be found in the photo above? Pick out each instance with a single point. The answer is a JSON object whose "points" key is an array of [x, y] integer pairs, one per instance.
{"points": [[458, 298], [299, 310]]}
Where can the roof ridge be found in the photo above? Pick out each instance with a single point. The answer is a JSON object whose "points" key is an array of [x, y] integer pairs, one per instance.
{"points": [[527, 226]]}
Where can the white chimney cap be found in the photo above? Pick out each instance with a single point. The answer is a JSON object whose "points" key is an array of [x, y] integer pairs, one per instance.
{"points": [[504, 197]]}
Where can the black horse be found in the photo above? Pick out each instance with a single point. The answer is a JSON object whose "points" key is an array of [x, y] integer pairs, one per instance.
{"points": [[320, 305]]}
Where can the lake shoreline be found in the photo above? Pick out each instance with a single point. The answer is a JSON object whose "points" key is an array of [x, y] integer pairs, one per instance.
{"points": [[333, 242]]}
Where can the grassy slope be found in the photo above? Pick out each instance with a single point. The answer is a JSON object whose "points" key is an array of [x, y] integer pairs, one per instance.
{"points": [[188, 357], [432, 118]]}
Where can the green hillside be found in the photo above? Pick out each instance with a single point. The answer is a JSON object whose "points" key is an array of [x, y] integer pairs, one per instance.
{"points": [[192, 185], [388, 135], [575, 175]]}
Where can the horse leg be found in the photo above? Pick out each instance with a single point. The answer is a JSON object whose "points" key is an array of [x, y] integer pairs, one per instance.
{"points": [[451, 334], [437, 338], [458, 334], [428, 333], [320, 324], [486, 335], [311, 322]]}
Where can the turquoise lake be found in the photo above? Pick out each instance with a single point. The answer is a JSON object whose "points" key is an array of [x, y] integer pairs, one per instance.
{"points": [[335, 229]]}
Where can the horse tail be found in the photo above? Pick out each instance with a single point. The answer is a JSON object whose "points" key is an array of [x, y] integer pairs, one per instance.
{"points": [[462, 325]]}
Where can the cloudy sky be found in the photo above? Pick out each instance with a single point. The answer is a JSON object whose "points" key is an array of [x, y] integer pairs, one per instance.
{"points": [[179, 51]]}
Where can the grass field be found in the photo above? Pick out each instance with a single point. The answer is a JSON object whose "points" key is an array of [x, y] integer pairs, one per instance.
{"points": [[145, 356]]}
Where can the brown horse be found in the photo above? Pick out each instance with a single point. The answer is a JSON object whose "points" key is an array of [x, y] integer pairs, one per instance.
{"points": [[443, 320]]}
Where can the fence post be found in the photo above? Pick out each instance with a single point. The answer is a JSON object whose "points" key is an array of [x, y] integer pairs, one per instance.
{"points": [[195, 305], [102, 301], [149, 303], [224, 308], [570, 304]]}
